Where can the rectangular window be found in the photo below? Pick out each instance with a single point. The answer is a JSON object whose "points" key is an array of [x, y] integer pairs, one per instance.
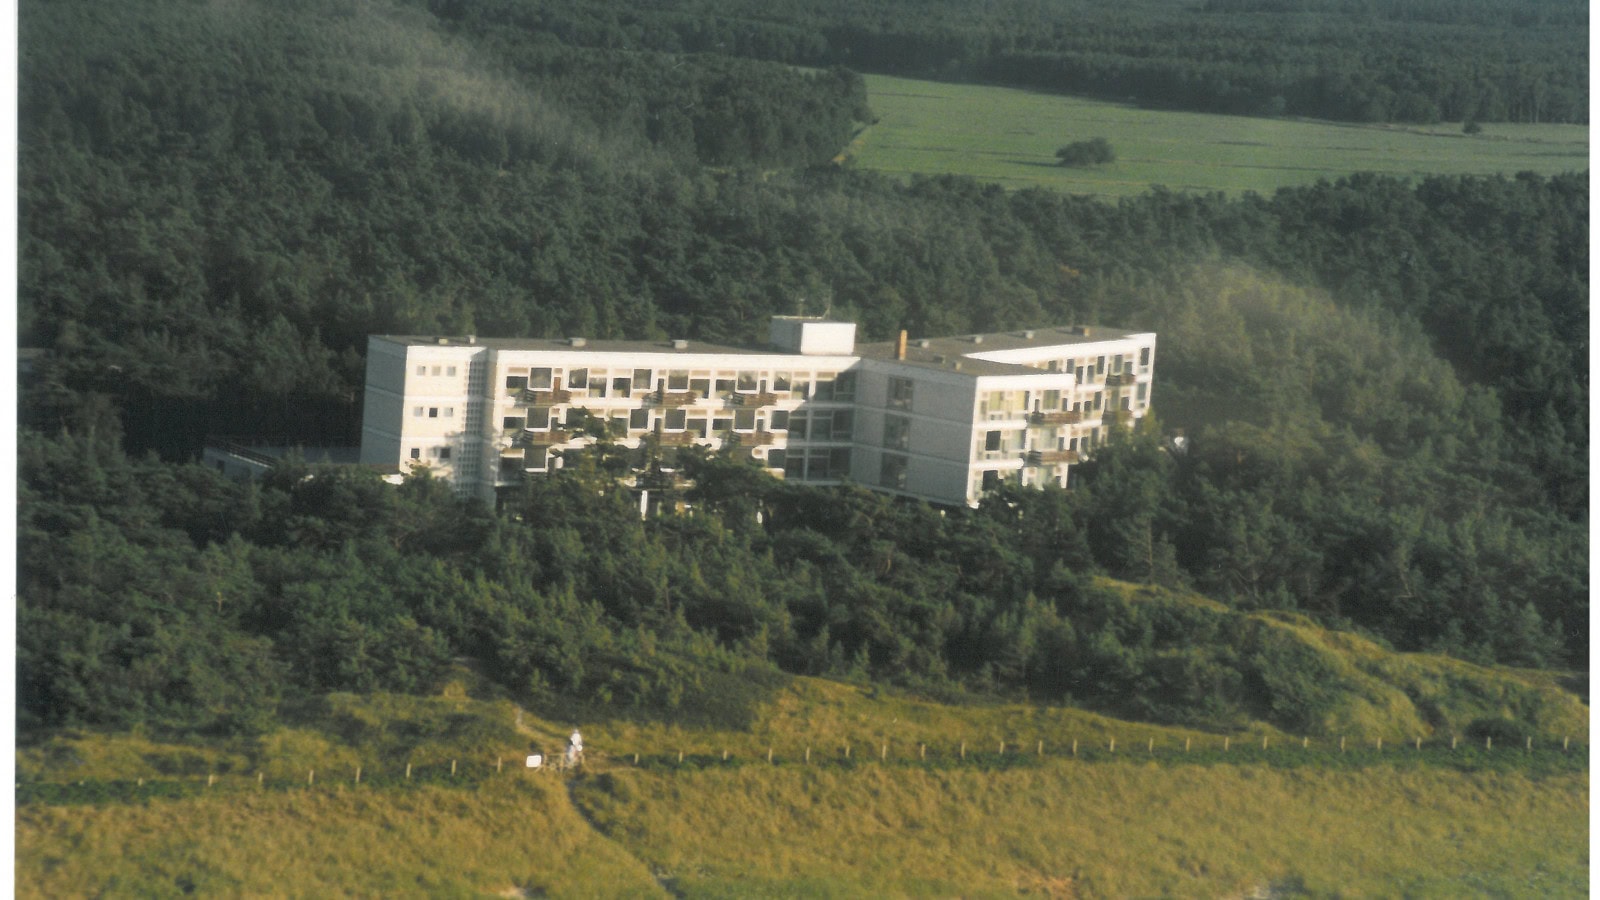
{"points": [[725, 386], [747, 381], [539, 417], [844, 387], [1100, 366], [800, 387], [822, 426], [892, 474], [639, 420], [433, 412], [536, 458], [416, 452], [797, 425], [991, 441], [896, 432], [621, 387], [597, 383], [722, 424], [1052, 400], [780, 420], [538, 379], [776, 458], [824, 388], [839, 462], [516, 383], [578, 379], [991, 479], [512, 423], [444, 452], [794, 465], [422, 370], [780, 382], [643, 378], [575, 416], [1144, 357], [449, 412], [1144, 389], [451, 371], [844, 423], [510, 466], [744, 420], [899, 393], [416, 411], [676, 420], [701, 386], [678, 380], [436, 370], [697, 427]]}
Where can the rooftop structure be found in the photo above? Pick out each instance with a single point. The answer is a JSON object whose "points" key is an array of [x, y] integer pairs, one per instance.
{"points": [[942, 419]]}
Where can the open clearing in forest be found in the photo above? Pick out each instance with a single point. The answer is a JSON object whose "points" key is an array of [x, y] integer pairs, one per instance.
{"points": [[1010, 136]]}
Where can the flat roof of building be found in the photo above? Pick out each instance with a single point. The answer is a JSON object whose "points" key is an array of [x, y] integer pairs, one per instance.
{"points": [[938, 353]]}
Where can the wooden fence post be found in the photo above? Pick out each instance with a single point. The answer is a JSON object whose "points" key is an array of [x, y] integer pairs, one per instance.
{"points": [[636, 759], [1150, 746], [358, 774], [846, 751], [883, 755], [680, 757], [311, 777], [211, 778], [725, 755], [1305, 743], [769, 756], [1227, 742], [963, 749], [408, 771], [1074, 746], [1564, 743], [1530, 744], [1452, 742], [1041, 748], [922, 752], [497, 764], [1341, 743], [1419, 743], [1263, 742], [1186, 745], [1002, 748], [452, 768], [1113, 745], [808, 756], [1488, 743], [1380, 745], [261, 779]]}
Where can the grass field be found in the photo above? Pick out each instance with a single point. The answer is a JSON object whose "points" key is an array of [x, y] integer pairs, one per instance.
{"points": [[1011, 799], [1010, 136]]}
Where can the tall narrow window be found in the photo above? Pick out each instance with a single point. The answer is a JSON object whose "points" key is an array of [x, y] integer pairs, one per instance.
{"points": [[899, 393]]}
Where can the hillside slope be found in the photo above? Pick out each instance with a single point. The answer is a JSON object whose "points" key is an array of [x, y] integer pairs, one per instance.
{"points": [[867, 793]]}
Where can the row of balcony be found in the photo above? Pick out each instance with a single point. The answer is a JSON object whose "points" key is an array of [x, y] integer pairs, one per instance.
{"points": [[760, 438]]}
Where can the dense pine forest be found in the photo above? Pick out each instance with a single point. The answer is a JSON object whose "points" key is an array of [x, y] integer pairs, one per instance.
{"points": [[1383, 384]]}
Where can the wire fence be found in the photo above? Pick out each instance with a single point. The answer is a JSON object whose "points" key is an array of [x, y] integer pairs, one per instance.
{"points": [[1534, 757]]}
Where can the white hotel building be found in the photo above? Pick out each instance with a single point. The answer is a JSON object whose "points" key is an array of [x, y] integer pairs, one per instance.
{"points": [[941, 419]]}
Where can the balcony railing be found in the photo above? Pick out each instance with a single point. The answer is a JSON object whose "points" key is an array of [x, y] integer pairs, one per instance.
{"points": [[673, 399], [763, 399], [543, 438], [1050, 457], [1123, 379], [678, 438], [1058, 417], [546, 398]]}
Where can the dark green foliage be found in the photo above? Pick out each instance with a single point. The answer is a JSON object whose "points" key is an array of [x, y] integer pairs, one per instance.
{"points": [[1508, 733], [1380, 380], [1093, 152]]}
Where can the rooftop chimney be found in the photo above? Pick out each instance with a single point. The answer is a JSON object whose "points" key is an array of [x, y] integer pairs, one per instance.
{"points": [[578, 341], [900, 346]]}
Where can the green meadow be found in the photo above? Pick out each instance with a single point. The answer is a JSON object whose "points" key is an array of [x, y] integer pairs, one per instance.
{"points": [[1010, 136], [866, 792]]}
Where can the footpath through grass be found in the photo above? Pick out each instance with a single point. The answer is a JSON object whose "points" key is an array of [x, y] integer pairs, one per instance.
{"points": [[1010, 136]]}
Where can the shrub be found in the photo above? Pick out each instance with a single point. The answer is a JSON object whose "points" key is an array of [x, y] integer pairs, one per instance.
{"points": [[1092, 152]]}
